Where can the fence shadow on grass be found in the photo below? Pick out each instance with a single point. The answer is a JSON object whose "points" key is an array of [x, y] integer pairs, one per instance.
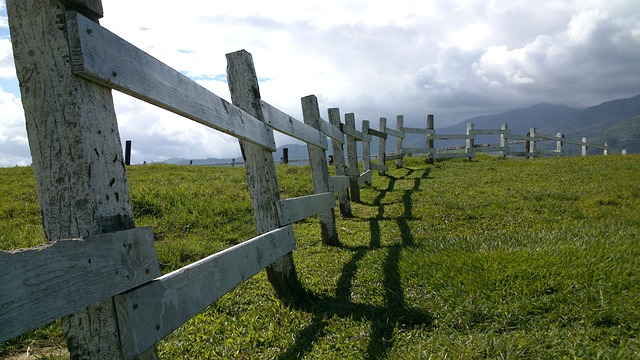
{"points": [[384, 319]]}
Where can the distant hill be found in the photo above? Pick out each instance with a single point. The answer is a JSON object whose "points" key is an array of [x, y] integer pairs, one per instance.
{"points": [[617, 122]]}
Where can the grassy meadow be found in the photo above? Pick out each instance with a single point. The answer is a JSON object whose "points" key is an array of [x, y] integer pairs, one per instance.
{"points": [[483, 259]]}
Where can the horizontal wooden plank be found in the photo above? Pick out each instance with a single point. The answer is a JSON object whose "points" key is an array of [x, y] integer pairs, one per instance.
{"points": [[549, 137], [394, 132], [152, 311], [417, 151], [338, 183], [380, 134], [101, 56], [349, 131], [521, 137], [288, 125], [365, 177], [451, 137], [488, 132], [490, 148], [453, 155], [390, 157], [353, 171], [379, 167], [332, 131], [412, 130], [296, 209], [42, 284]]}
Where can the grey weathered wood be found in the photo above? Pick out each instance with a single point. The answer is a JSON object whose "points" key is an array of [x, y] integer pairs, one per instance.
{"points": [[452, 155], [503, 140], [532, 143], [412, 130], [452, 137], [42, 284], [490, 148], [287, 124], [351, 131], [152, 311], [89, 8], [584, 146], [417, 151], [260, 169], [486, 132], [366, 145], [379, 168], [77, 155], [399, 140], [523, 137], [332, 130], [338, 183], [103, 57], [378, 134], [319, 171], [300, 208], [382, 148], [395, 156], [470, 143], [394, 133], [339, 163], [352, 156], [430, 133], [365, 177]]}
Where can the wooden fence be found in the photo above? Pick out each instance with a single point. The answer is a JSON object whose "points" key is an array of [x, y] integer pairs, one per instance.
{"points": [[100, 273]]}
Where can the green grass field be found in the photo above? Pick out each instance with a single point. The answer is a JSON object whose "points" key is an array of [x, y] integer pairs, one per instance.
{"points": [[484, 259]]}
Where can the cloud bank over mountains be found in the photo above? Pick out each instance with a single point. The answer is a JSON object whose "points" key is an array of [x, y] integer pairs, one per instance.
{"points": [[454, 59]]}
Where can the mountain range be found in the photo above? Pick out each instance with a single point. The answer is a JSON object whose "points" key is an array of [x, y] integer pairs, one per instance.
{"points": [[616, 122]]}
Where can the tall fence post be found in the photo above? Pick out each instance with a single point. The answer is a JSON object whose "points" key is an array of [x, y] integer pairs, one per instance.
{"points": [[504, 140], [77, 154], [366, 148], [352, 159], [338, 160], [260, 169], [585, 148], [399, 140], [382, 145], [470, 142], [430, 143], [319, 170]]}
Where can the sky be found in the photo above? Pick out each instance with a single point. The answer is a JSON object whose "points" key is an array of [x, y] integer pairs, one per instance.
{"points": [[455, 59]]}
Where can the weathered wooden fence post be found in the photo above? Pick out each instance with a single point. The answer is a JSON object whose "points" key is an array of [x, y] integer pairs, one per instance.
{"points": [[338, 161], [504, 140], [532, 142], [399, 140], [585, 148], [606, 149], [352, 158], [77, 154], [366, 148], [470, 142], [560, 143], [127, 152], [430, 143], [260, 168], [285, 155], [382, 145], [319, 170]]}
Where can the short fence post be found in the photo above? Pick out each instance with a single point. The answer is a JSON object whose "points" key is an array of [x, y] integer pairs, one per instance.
{"points": [[382, 145], [560, 143], [285, 155], [366, 147], [532, 142], [606, 149], [585, 148], [470, 142], [624, 151], [430, 143], [399, 140], [78, 160], [260, 169], [352, 158], [319, 170], [338, 161], [504, 140]]}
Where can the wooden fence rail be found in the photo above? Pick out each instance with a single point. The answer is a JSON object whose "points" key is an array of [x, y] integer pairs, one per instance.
{"points": [[108, 260]]}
